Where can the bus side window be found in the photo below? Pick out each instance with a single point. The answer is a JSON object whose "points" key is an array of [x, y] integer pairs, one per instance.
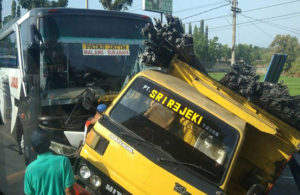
{"points": [[9, 52], [29, 61]]}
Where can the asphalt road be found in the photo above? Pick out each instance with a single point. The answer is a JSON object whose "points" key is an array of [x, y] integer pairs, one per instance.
{"points": [[12, 165], [12, 168]]}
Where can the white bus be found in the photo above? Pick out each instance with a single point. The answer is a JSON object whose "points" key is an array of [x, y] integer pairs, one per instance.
{"points": [[50, 56]]}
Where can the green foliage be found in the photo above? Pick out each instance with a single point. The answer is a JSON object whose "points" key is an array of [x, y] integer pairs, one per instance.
{"points": [[209, 50], [196, 30], [190, 29], [30, 4], [286, 44], [248, 54], [183, 26], [201, 27], [117, 5], [18, 11], [295, 69], [0, 13], [7, 19], [13, 9], [206, 32], [200, 45]]}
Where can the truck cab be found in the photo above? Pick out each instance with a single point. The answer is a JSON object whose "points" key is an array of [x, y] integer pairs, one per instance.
{"points": [[161, 135]]}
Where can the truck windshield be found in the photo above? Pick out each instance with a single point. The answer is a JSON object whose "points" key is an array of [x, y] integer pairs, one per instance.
{"points": [[187, 132], [81, 51]]}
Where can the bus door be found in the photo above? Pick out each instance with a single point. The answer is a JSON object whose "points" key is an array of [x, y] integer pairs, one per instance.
{"points": [[10, 77]]}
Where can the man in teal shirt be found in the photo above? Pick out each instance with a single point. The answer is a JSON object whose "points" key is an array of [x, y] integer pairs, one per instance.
{"points": [[48, 174]]}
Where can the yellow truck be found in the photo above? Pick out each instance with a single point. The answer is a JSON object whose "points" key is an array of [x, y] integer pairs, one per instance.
{"points": [[181, 132]]}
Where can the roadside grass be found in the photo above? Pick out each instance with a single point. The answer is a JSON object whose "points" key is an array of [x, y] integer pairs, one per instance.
{"points": [[293, 83]]}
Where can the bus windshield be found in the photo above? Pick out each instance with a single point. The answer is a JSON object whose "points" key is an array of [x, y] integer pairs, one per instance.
{"points": [[188, 133], [81, 51]]}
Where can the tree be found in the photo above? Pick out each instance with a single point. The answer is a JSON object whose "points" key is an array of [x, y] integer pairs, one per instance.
{"points": [[206, 32], [225, 52], [248, 53], [286, 44], [13, 8], [190, 29], [200, 45], [195, 30], [30, 4], [7, 19], [0, 13], [116, 5], [18, 11], [201, 29]]}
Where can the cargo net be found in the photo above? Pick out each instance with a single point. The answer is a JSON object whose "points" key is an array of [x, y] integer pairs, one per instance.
{"points": [[167, 40]]}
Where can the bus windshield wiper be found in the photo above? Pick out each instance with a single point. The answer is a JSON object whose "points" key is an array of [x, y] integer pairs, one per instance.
{"points": [[163, 160], [140, 140]]}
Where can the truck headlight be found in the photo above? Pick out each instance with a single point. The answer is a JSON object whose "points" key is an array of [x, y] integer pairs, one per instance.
{"points": [[96, 181], [84, 172]]}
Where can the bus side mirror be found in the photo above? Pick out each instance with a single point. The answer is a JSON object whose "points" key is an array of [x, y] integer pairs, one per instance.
{"points": [[86, 104], [88, 98]]}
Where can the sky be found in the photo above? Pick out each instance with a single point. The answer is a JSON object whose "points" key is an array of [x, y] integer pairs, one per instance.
{"points": [[257, 24]]}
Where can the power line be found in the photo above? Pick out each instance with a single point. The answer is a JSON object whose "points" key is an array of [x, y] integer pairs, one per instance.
{"points": [[254, 9], [262, 19], [200, 6], [194, 8], [245, 24], [293, 30], [214, 8], [189, 9], [207, 19], [270, 36], [259, 8]]}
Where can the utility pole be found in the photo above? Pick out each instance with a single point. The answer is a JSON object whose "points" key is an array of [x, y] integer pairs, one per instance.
{"points": [[234, 10], [87, 4]]}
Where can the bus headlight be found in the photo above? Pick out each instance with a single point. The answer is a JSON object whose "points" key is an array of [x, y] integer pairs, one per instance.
{"points": [[84, 172], [96, 181]]}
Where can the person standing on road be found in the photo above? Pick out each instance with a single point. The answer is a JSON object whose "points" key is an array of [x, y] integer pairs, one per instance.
{"points": [[49, 173]]}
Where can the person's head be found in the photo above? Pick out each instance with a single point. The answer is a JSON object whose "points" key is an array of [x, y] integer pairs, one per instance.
{"points": [[40, 141], [101, 108]]}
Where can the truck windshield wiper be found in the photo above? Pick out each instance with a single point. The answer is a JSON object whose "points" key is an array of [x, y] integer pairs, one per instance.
{"points": [[185, 164], [140, 140]]}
